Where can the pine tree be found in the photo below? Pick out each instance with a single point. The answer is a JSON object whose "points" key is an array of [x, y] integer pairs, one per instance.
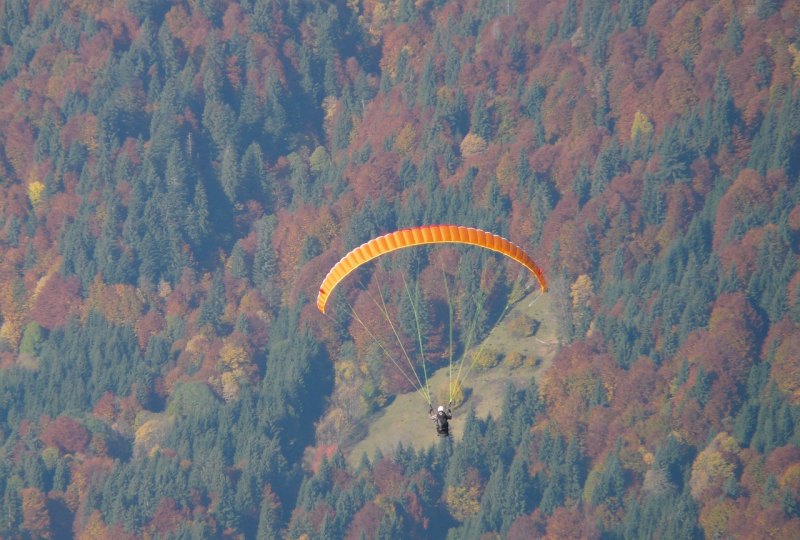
{"points": [[219, 120], [491, 512], [600, 42], [569, 21], [574, 470], [734, 35], [426, 94], [177, 180], [480, 120], [214, 304], [197, 217], [32, 339], [766, 8], [250, 111], [582, 185], [238, 262], [516, 494], [229, 174]]}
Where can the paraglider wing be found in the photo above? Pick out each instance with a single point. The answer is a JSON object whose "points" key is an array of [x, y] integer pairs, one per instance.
{"points": [[431, 234]]}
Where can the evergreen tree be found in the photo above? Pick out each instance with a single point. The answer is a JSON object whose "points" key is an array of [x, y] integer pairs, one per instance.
{"points": [[633, 13], [491, 512], [606, 167], [177, 180], [197, 217], [11, 517], [406, 12], [581, 185], [569, 21], [426, 94], [251, 110], [735, 34], [517, 492], [480, 119], [265, 261], [766, 8], [32, 339], [214, 303], [229, 174], [600, 42], [238, 262]]}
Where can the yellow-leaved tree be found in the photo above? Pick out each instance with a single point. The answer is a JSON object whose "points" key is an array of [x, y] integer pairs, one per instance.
{"points": [[235, 367], [641, 126], [463, 501], [406, 139], [581, 292], [35, 190], [151, 434], [714, 466], [472, 144], [95, 528], [35, 517]]}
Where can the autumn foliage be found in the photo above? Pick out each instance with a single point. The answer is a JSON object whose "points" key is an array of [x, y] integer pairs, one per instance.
{"points": [[177, 178]]}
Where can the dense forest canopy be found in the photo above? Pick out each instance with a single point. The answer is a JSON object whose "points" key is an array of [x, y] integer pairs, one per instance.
{"points": [[177, 177]]}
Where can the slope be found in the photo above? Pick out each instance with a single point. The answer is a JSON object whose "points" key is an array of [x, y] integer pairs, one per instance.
{"points": [[405, 420]]}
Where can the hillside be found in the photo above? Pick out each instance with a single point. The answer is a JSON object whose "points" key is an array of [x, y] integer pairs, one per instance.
{"points": [[177, 178], [404, 421]]}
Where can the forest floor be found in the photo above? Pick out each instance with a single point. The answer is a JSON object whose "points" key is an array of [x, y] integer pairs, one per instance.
{"points": [[405, 420]]}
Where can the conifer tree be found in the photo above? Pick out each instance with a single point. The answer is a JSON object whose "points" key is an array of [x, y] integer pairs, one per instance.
{"points": [[480, 120], [517, 493], [214, 303], [229, 173], [569, 21]]}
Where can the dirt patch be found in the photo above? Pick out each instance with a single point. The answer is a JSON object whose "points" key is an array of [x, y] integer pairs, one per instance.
{"points": [[405, 421]]}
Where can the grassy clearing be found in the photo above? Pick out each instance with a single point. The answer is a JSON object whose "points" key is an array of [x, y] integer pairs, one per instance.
{"points": [[405, 421]]}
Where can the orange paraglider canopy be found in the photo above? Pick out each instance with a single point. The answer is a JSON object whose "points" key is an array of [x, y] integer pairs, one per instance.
{"points": [[430, 234]]}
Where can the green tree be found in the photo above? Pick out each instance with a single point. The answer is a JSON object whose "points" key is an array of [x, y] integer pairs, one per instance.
{"points": [[219, 120], [581, 185], [633, 13], [494, 495], [603, 102], [480, 118], [32, 339], [569, 21], [265, 262], [600, 41], [229, 174], [516, 494], [15, 17], [251, 111], [426, 93], [606, 167], [610, 484], [197, 224], [11, 518], [734, 35], [238, 262], [214, 304], [406, 13], [177, 180], [766, 8]]}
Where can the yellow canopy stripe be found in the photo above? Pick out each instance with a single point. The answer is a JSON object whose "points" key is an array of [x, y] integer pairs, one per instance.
{"points": [[431, 234]]}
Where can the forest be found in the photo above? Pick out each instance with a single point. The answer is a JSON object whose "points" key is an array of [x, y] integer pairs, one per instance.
{"points": [[177, 177]]}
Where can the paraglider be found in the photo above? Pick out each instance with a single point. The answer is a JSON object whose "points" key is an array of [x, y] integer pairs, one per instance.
{"points": [[408, 238], [441, 418]]}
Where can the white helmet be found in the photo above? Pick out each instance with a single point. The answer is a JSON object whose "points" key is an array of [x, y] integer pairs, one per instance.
{"points": [[441, 408]]}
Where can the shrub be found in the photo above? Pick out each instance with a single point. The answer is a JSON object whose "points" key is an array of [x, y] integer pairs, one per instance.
{"points": [[523, 326], [515, 360], [487, 358]]}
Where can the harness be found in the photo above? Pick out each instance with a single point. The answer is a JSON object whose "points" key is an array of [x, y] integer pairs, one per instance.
{"points": [[442, 425]]}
